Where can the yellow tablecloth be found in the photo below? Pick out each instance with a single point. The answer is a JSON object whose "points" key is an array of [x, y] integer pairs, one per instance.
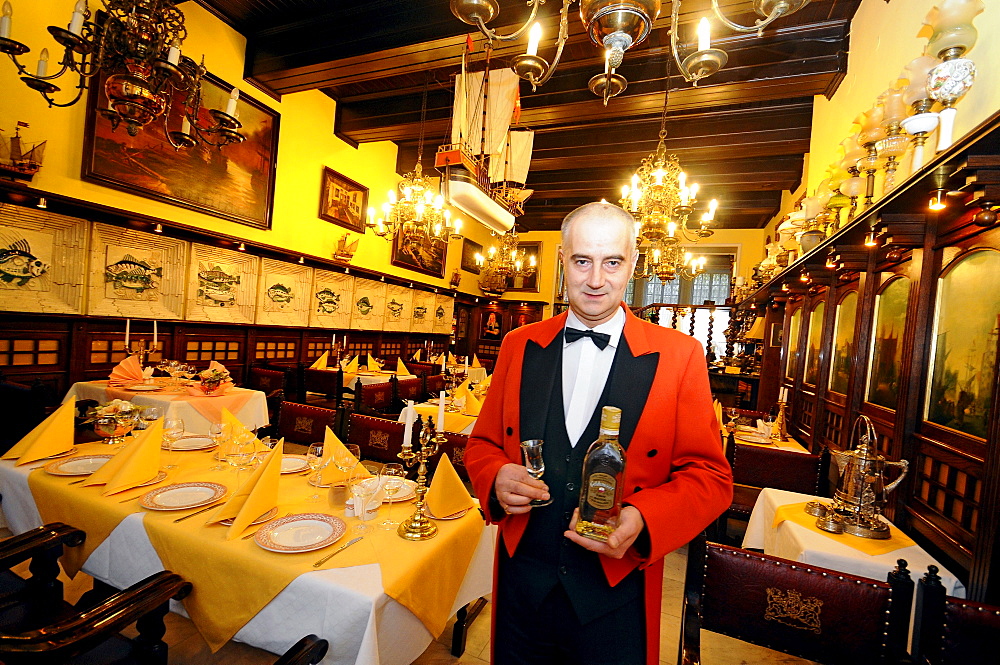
{"points": [[234, 579], [453, 421], [793, 512]]}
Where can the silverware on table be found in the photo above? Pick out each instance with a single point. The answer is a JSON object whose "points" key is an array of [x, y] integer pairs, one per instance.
{"points": [[198, 512], [336, 551], [77, 482]]}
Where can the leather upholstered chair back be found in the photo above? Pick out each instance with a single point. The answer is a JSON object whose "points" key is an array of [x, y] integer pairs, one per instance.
{"points": [[266, 380], [410, 389], [435, 384], [302, 423], [454, 448], [806, 611], [373, 398], [421, 369], [379, 439], [952, 631]]}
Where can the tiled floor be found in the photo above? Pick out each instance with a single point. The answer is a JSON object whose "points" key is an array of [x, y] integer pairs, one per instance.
{"points": [[187, 647]]}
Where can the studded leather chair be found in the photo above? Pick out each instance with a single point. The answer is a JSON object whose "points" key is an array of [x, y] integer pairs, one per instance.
{"points": [[949, 630], [379, 439], [302, 423]]}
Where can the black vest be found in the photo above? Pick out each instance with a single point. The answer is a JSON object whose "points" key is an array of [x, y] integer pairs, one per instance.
{"points": [[544, 556]]}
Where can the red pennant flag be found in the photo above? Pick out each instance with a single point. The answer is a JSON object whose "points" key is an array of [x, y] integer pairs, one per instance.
{"points": [[468, 42], [516, 117], [21, 123]]}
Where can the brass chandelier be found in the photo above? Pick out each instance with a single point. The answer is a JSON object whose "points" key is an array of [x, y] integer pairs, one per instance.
{"points": [[135, 44], [503, 262]]}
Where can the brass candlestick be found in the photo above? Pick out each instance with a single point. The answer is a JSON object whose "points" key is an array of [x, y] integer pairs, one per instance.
{"points": [[781, 426], [139, 349], [417, 526]]}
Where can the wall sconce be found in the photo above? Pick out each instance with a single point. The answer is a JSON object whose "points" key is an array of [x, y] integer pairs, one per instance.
{"points": [[242, 247], [937, 200], [158, 228], [804, 277], [302, 259], [456, 279], [870, 240], [42, 203]]}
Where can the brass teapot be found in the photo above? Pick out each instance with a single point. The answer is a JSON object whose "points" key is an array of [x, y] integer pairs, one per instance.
{"points": [[862, 490]]}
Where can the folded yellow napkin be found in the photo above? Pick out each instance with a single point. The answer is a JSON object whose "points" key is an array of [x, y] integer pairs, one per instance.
{"points": [[485, 383], [127, 371], [331, 474], [258, 495], [137, 463], [352, 367], [451, 359], [475, 361], [401, 368], [793, 512], [321, 361], [447, 494], [472, 404], [416, 356], [52, 436], [717, 406], [462, 390], [236, 427]]}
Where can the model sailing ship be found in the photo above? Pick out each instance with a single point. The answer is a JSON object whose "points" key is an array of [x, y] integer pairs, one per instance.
{"points": [[17, 160]]}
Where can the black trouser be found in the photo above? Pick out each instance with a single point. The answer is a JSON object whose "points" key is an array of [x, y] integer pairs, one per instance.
{"points": [[551, 634]]}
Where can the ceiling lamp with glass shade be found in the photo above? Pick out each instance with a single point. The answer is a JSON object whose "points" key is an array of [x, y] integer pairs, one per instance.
{"points": [[135, 46], [504, 262]]}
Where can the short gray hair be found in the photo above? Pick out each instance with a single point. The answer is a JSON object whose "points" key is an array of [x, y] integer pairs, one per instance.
{"points": [[605, 210]]}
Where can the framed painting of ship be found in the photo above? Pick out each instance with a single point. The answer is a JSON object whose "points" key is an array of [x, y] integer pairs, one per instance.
{"points": [[234, 183], [426, 258], [342, 201]]}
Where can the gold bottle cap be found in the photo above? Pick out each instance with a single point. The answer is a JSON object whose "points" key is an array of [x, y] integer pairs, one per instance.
{"points": [[611, 418]]}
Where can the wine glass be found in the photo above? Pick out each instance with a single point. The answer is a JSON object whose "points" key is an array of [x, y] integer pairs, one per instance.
{"points": [[173, 430], [535, 463], [363, 489], [240, 454], [769, 419], [220, 433], [314, 458], [732, 413], [391, 479], [346, 458]]}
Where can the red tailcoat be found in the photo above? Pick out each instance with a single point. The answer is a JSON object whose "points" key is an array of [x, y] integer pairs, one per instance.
{"points": [[675, 455]]}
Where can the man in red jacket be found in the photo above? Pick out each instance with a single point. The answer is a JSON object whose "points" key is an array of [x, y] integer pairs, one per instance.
{"points": [[560, 597]]}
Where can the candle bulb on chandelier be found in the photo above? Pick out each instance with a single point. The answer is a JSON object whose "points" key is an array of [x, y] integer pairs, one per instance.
{"points": [[713, 205], [185, 125], [371, 215], [174, 53], [531, 260], [671, 228], [5, 20], [231, 104], [43, 63], [155, 331], [128, 329], [704, 34], [693, 191], [534, 36], [76, 21]]}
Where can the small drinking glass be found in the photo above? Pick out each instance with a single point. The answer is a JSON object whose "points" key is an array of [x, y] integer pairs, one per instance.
{"points": [[769, 419], [220, 434], [391, 477], [240, 454], [314, 457], [173, 430], [535, 463], [732, 413], [363, 489]]}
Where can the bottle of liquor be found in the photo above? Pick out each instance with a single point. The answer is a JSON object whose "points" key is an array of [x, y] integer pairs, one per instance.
{"points": [[603, 480]]}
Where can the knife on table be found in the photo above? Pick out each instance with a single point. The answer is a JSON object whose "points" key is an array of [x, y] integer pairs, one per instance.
{"points": [[336, 551]]}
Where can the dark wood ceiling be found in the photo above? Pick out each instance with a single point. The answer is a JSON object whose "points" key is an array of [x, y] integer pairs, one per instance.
{"points": [[741, 134]]}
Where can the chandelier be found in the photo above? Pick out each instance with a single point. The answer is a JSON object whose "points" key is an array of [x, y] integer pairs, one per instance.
{"points": [[418, 217], [662, 202], [502, 263], [617, 25], [135, 44]]}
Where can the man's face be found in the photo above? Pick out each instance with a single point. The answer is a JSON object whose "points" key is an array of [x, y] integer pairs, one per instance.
{"points": [[598, 259]]}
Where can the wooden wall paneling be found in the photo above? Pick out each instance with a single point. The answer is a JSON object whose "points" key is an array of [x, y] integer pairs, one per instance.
{"points": [[868, 284], [771, 378]]}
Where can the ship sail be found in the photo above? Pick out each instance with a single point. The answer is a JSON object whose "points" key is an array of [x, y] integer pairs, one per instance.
{"points": [[471, 97], [512, 163]]}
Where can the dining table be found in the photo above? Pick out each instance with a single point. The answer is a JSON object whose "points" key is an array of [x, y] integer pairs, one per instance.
{"points": [[197, 411], [455, 420], [380, 601]]}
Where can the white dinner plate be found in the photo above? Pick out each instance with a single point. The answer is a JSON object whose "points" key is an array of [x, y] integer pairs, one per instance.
{"points": [[293, 463], [263, 518], [453, 516], [182, 495], [84, 465], [144, 387], [753, 438], [406, 492], [191, 443], [304, 532]]}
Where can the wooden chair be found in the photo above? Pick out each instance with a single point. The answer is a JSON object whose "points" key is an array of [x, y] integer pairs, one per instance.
{"points": [[374, 398], [455, 450], [421, 369], [307, 651], [806, 611], [303, 423], [756, 467], [322, 387], [273, 383], [408, 389], [433, 385], [379, 439], [949, 630], [22, 407]]}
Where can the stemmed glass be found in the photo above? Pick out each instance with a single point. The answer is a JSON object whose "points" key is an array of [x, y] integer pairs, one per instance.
{"points": [[314, 457], [391, 478], [769, 419], [346, 458], [240, 454], [732, 413], [535, 463], [173, 429], [220, 434], [363, 489]]}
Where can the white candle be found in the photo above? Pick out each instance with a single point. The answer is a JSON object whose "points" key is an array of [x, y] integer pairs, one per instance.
{"points": [[76, 22], [185, 125], [231, 104], [174, 53], [408, 430], [128, 328], [440, 422], [466, 365], [333, 341], [704, 34], [5, 20], [444, 360], [43, 63], [154, 333], [534, 36]]}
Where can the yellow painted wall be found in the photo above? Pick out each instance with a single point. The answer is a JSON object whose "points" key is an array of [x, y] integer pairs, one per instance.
{"points": [[306, 144], [883, 40]]}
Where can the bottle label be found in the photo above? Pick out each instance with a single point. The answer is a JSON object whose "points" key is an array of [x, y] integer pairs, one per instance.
{"points": [[601, 491]]}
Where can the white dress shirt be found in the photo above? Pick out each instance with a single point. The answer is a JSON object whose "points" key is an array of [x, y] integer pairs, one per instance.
{"points": [[585, 370]]}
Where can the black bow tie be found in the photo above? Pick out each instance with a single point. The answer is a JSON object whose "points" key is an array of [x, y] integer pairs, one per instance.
{"points": [[600, 340]]}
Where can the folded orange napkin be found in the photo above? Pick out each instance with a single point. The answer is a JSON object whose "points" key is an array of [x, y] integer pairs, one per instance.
{"points": [[451, 359], [258, 495], [331, 474], [485, 383], [321, 361], [794, 512], [236, 427], [472, 404], [52, 436], [475, 361], [128, 371], [352, 366], [447, 494], [462, 389], [137, 463], [401, 368], [416, 356]]}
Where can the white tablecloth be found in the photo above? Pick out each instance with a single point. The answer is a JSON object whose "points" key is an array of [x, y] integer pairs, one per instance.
{"points": [[795, 542], [253, 414], [346, 606]]}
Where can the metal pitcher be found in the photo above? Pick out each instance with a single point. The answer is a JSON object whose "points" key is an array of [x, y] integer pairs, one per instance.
{"points": [[862, 490]]}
